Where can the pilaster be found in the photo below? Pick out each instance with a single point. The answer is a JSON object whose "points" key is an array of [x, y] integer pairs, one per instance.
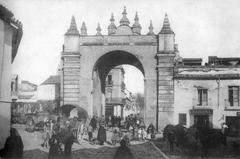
{"points": [[165, 89]]}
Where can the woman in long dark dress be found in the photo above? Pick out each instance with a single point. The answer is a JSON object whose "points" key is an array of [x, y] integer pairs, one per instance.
{"points": [[123, 152], [101, 135], [55, 151], [13, 147]]}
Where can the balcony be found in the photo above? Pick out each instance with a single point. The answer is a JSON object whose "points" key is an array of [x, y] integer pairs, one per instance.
{"points": [[205, 105], [228, 106]]}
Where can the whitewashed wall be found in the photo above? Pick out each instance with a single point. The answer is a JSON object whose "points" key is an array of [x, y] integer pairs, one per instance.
{"points": [[186, 95]]}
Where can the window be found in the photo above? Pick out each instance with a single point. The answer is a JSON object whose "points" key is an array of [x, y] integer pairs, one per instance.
{"points": [[109, 81], [202, 97], [12, 86], [182, 120], [233, 95]]}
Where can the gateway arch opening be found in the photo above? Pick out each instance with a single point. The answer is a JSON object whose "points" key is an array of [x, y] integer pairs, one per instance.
{"points": [[115, 88]]}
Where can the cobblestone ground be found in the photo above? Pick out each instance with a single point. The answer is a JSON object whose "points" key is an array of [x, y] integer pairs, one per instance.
{"points": [[85, 150]]}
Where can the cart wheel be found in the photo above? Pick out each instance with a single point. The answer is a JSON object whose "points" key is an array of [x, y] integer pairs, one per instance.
{"points": [[30, 125]]}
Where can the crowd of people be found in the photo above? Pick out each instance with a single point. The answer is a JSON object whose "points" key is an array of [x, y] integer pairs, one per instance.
{"points": [[60, 134]]}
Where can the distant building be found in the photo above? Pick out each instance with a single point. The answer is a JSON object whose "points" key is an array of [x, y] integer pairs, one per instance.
{"points": [[33, 99], [49, 93], [50, 89], [115, 92], [208, 95], [27, 92], [10, 37], [131, 106]]}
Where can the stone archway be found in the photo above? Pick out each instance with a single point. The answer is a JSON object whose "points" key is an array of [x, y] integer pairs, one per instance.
{"points": [[83, 53], [101, 69]]}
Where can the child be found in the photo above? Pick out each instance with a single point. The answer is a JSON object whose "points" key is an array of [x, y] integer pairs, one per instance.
{"points": [[144, 134], [140, 134], [115, 136], [90, 133]]}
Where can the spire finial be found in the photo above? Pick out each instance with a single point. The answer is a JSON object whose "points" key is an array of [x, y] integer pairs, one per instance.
{"points": [[99, 30], [166, 20], [112, 18], [124, 20], [136, 17], [166, 29], [136, 28], [83, 29], [150, 29], [112, 27], [73, 28], [124, 10]]}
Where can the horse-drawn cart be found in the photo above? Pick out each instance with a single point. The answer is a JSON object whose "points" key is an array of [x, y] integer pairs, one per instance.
{"points": [[36, 121]]}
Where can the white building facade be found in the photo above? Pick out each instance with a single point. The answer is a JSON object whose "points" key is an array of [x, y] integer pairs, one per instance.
{"points": [[10, 37], [208, 95]]}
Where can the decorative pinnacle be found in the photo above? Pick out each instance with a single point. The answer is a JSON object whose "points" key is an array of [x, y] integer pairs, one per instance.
{"points": [[124, 20], [73, 28], [112, 27], [124, 11], [136, 28], [99, 30], [150, 29], [166, 29], [112, 18], [83, 29], [166, 20], [136, 17]]}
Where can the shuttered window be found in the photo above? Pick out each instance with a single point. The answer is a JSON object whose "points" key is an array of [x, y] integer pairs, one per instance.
{"points": [[202, 97], [233, 95], [182, 119]]}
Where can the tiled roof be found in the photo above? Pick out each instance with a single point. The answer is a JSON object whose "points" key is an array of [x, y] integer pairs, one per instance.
{"points": [[52, 80], [8, 17]]}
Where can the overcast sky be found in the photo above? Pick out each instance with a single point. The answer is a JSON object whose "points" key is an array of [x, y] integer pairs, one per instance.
{"points": [[202, 27]]}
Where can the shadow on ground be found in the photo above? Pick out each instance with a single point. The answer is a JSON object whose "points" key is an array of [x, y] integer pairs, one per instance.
{"points": [[140, 151], [220, 152]]}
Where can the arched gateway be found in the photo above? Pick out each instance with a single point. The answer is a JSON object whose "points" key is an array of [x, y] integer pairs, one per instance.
{"points": [[87, 59]]}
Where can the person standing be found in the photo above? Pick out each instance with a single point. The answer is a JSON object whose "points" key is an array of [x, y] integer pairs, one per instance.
{"points": [[90, 133], [101, 135], [93, 123], [109, 121], [224, 133], [68, 139], [115, 135], [123, 152], [102, 121], [68, 146], [55, 151], [13, 148], [171, 139], [150, 131], [119, 121]]}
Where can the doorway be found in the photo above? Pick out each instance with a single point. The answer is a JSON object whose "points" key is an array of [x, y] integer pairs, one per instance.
{"points": [[201, 121]]}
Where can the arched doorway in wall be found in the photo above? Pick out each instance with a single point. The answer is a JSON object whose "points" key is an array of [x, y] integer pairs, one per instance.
{"points": [[110, 95]]}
